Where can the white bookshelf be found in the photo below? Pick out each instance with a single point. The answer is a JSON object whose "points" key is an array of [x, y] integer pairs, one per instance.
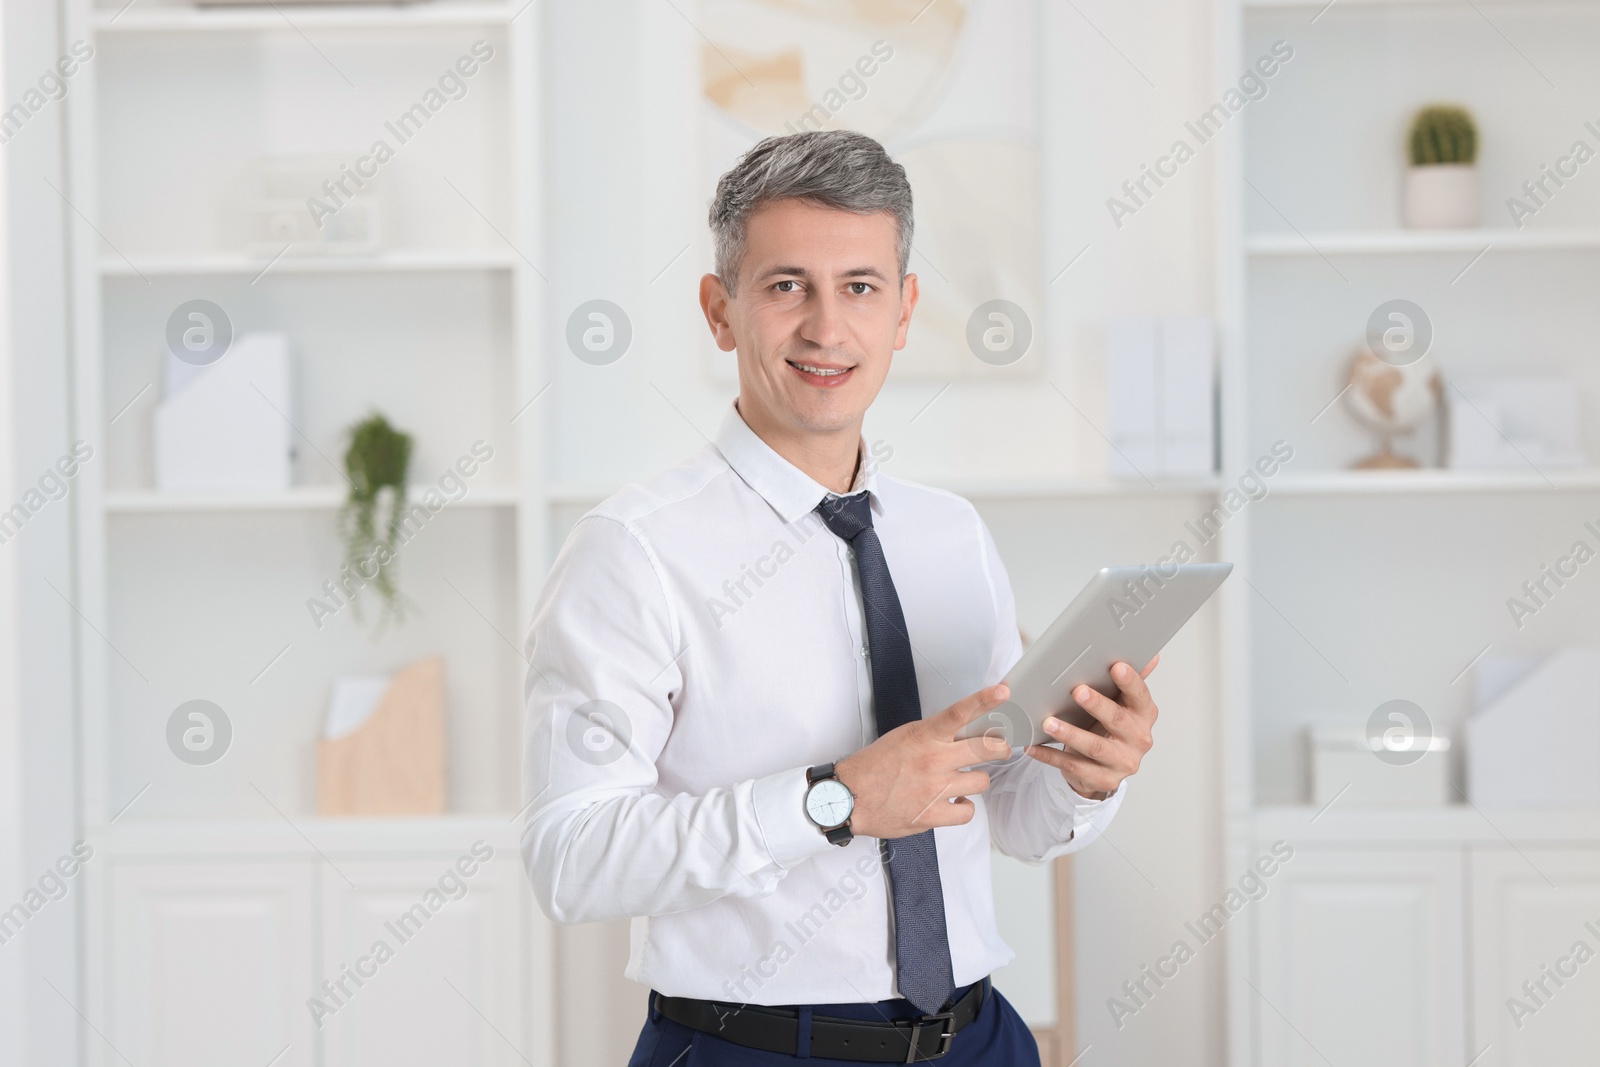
{"points": [[304, 498], [412, 261], [1421, 242], [121, 18], [1369, 483], [1355, 587], [124, 288], [480, 295], [1314, 6], [1041, 489], [1454, 825], [439, 331], [273, 837]]}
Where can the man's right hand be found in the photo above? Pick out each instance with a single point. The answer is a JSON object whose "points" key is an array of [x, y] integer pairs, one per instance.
{"points": [[910, 779]]}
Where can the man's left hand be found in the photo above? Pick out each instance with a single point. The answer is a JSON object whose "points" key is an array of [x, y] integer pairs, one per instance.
{"points": [[1095, 761]]}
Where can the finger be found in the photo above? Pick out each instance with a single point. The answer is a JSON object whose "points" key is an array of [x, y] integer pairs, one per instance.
{"points": [[956, 787], [1104, 711], [1131, 683], [957, 811], [1091, 776], [1106, 751], [1114, 717], [968, 783], [958, 784], [949, 721], [993, 744], [1148, 667]]}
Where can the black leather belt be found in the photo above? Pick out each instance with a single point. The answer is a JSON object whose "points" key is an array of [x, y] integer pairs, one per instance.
{"points": [[927, 1037]]}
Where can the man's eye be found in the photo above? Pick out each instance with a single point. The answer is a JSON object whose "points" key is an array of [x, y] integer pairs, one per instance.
{"points": [[780, 286], [860, 288]]}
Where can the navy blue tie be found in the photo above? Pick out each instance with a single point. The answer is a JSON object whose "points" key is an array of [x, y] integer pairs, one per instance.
{"points": [[921, 943]]}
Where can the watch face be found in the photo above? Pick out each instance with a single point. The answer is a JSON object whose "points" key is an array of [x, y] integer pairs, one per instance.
{"points": [[829, 803]]}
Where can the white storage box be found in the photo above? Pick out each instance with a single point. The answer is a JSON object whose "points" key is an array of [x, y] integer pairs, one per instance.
{"points": [[1343, 759], [1534, 741], [224, 427]]}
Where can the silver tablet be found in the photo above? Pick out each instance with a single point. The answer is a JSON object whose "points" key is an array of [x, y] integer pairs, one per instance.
{"points": [[1124, 614]]}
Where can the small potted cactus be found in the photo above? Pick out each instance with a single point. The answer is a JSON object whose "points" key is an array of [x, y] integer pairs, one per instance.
{"points": [[1442, 181]]}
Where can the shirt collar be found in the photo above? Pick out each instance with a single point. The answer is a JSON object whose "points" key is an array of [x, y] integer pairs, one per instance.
{"points": [[791, 491]]}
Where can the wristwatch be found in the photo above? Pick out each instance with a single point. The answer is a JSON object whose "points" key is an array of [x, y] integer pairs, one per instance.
{"points": [[829, 803]]}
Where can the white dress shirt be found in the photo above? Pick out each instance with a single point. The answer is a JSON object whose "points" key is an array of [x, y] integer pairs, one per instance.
{"points": [[700, 642]]}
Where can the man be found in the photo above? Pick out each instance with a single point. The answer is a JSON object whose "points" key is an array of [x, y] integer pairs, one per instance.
{"points": [[746, 675]]}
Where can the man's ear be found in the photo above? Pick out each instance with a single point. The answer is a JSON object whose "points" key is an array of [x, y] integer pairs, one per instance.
{"points": [[714, 302], [908, 304]]}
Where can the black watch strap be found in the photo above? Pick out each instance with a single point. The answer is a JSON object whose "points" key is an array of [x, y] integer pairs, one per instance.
{"points": [[841, 834]]}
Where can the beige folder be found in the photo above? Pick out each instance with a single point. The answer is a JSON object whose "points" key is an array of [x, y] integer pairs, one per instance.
{"points": [[393, 763]]}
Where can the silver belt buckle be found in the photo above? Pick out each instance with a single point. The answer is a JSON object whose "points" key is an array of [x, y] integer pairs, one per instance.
{"points": [[946, 1034]]}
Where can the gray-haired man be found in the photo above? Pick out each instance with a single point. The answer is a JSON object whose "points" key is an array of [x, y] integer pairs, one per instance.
{"points": [[747, 674]]}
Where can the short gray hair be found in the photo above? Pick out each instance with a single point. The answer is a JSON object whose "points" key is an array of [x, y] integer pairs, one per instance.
{"points": [[833, 168]]}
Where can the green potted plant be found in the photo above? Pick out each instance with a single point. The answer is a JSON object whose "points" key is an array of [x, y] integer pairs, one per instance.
{"points": [[1442, 181], [375, 465]]}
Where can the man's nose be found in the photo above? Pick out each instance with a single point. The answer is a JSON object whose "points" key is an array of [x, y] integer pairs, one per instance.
{"points": [[824, 324]]}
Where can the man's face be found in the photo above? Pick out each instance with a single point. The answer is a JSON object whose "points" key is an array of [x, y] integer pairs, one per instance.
{"points": [[818, 314]]}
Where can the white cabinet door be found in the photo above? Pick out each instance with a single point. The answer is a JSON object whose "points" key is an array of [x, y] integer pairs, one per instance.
{"points": [[1536, 920], [1360, 960], [210, 964], [424, 963]]}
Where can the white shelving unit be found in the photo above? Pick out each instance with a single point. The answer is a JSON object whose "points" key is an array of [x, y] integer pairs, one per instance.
{"points": [[1420, 242], [1357, 587], [992, 490], [1314, 6], [1368, 483], [439, 334], [309, 498], [200, 266], [122, 298], [152, 19]]}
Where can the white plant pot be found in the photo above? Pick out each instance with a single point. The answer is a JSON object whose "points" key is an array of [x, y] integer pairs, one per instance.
{"points": [[1442, 196]]}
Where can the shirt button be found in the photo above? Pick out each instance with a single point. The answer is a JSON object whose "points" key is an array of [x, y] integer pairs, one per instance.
{"points": [[864, 653]]}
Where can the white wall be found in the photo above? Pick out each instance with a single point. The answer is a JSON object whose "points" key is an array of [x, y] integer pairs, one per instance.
{"points": [[1160, 864], [11, 970], [39, 432]]}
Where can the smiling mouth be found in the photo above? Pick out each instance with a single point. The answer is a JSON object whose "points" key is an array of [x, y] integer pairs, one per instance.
{"points": [[820, 374]]}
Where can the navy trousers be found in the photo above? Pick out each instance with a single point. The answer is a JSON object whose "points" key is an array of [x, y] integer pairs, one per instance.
{"points": [[996, 1038]]}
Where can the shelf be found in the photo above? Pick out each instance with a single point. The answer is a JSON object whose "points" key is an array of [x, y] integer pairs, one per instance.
{"points": [[242, 265], [1357, 483], [1448, 824], [143, 838], [1077, 488], [1454, 5], [1433, 480], [996, 489], [296, 17], [1419, 242], [300, 498]]}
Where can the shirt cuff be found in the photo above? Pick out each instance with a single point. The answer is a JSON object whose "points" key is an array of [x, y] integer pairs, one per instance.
{"points": [[1080, 803], [780, 806], [1085, 818]]}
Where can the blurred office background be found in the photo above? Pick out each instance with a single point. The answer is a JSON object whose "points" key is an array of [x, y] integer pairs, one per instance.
{"points": [[1207, 275]]}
